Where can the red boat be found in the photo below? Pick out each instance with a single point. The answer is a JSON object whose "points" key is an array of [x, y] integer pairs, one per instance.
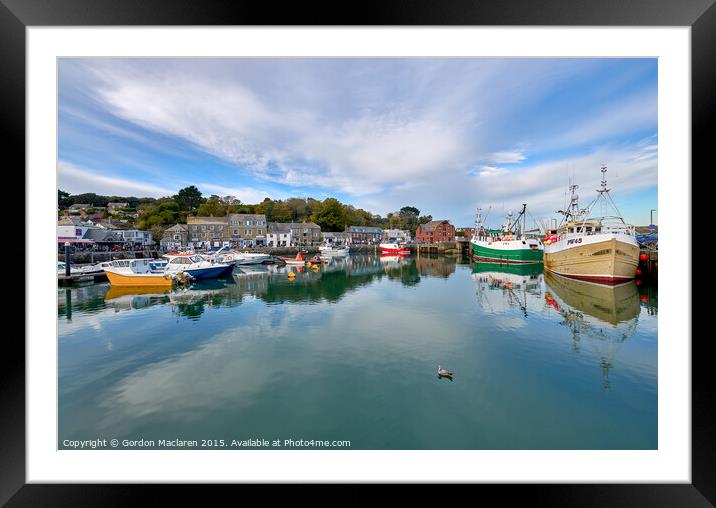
{"points": [[300, 259], [394, 248]]}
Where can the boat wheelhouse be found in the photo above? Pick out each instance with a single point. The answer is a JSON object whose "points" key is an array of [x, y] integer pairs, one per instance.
{"points": [[594, 248], [509, 244]]}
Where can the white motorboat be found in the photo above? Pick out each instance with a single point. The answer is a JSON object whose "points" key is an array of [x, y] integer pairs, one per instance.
{"points": [[96, 269], [196, 266], [251, 258], [225, 255], [62, 269], [334, 251]]}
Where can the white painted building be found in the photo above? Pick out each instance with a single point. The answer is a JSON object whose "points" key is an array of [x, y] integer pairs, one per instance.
{"points": [[136, 236], [279, 235], [396, 234]]}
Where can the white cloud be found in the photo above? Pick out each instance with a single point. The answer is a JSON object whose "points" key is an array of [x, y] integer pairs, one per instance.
{"points": [[76, 180], [511, 157], [390, 133], [491, 171], [355, 153], [541, 185]]}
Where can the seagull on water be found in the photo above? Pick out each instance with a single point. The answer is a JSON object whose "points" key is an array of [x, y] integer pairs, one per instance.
{"points": [[444, 373]]}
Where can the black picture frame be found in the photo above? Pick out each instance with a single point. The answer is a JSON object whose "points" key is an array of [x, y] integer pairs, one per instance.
{"points": [[16, 15]]}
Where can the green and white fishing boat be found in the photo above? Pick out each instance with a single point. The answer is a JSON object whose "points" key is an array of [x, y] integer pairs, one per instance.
{"points": [[509, 244]]}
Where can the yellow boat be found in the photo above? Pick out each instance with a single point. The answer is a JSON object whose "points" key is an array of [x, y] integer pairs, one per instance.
{"points": [[136, 272], [120, 291]]}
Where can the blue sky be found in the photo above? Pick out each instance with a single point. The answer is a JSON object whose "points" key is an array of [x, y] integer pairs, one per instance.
{"points": [[444, 135]]}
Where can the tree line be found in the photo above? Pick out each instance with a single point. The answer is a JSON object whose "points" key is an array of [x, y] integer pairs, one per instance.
{"points": [[156, 214]]}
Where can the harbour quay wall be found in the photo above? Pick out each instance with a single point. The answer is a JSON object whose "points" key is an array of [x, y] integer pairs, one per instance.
{"points": [[649, 267], [93, 257], [280, 251], [442, 248]]}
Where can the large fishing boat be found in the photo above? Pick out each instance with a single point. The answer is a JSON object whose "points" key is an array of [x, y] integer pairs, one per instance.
{"points": [[600, 249], [509, 244]]}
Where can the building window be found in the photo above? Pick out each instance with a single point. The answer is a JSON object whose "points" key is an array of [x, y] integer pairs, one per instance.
{"points": [[247, 232]]}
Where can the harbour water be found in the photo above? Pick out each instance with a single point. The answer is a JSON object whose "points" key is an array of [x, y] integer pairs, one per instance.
{"points": [[350, 352]]}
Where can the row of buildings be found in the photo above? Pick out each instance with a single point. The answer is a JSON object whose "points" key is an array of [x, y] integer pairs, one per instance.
{"points": [[84, 234], [235, 230], [253, 230]]}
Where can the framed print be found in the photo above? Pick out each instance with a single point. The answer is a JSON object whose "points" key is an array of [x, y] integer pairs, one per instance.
{"points": [[419, 249]]}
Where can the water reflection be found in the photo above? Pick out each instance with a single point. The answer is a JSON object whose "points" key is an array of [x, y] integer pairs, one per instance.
{"points": [[269, 283], [602, 317], [599, 316], [504, 287], [608, 304], [262, 354]]}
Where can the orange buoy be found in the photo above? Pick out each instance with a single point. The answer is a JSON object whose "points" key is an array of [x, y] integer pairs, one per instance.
{"points": [[644, 298], [638, 271], [637, 282], [643, 257]]}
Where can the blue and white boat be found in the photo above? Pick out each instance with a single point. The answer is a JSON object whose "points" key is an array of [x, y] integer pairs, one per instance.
{"points": [[196, 266]]}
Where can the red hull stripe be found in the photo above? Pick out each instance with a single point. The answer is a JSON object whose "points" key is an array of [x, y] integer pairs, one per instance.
{"points": [[592, 278]]}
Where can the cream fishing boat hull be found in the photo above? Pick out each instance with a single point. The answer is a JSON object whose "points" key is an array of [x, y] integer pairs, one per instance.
{"points": [[604, 258]]}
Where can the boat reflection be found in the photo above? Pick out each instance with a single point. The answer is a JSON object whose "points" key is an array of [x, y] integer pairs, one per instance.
{"points": [[598, 316], [436, 266], [608, 304], [134, 298], [502, 288]]}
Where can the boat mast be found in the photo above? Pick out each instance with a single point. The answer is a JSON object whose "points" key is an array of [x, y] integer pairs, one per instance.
{"points": [[516, 223], [480, 230], [604, 191]]}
